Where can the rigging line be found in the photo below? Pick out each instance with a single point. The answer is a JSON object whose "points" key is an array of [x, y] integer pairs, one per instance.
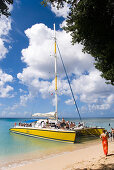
{"points": [[69, 83], [72, 90]]}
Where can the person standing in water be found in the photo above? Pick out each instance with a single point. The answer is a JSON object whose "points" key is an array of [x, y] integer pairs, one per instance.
{"points": [[104, 138]]}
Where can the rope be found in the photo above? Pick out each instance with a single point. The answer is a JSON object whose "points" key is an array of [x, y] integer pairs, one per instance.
{"points": [[69, 83]]}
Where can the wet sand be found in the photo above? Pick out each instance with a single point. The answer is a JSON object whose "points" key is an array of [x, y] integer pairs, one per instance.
{"points": [[85, 157]]}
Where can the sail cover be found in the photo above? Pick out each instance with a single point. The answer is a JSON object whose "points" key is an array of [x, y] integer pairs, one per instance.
{"points": [[50, 115]]}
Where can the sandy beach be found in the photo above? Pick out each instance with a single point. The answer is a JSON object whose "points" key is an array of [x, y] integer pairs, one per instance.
{"points": [[91, 157]]}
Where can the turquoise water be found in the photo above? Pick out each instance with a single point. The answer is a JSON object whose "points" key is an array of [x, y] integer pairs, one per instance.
{"points": [[14, 144]]}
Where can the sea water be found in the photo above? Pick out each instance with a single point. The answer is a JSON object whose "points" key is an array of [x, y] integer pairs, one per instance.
{"points": [[15, 145]]}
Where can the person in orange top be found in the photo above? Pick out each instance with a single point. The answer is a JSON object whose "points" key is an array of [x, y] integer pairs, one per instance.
{"points": [[104, 138]]}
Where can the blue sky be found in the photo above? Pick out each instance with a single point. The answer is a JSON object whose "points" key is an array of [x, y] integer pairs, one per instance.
{"points": [[27, 67]]}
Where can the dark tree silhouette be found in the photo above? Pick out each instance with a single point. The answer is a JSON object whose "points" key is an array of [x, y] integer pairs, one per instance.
{"points": [[91, 23], [4, 9]]}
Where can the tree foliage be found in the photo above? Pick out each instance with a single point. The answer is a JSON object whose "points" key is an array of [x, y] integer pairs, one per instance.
{"points": [[4, 9], [91, 23]]}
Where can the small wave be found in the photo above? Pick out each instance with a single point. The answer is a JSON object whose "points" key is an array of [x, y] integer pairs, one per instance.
{"points": [[14, 165]]}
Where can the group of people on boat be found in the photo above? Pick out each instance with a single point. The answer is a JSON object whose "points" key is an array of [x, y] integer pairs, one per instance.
{"points": [[65, 124], [59, 125]]}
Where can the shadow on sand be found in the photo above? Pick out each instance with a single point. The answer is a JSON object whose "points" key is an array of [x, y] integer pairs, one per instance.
{"points": [[110, 155], [101, 167]]}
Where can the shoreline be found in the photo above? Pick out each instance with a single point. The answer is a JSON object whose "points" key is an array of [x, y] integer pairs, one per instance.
{"points": [[90, 156], [58, 148]]}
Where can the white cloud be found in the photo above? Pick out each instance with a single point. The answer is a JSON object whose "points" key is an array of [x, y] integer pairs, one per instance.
{"points": [[4, 92], [39, 74], [93, 90], [10, 7], [22, 91], [69, 102], [5, 27], [63, 24], [91, 87], [61, 12], [99, 107], [110, 99], [3, 50], [5, 89], [41, 46], [24, 99]]}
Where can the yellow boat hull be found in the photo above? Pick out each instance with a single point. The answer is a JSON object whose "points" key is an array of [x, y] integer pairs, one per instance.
{"points": [[89, 131], [60, 135]]}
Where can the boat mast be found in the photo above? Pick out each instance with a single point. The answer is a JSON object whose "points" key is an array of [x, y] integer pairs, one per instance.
{"points": [[55, 73]]}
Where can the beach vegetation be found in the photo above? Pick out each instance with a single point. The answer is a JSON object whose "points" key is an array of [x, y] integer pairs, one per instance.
{"points": [[4, 7]]}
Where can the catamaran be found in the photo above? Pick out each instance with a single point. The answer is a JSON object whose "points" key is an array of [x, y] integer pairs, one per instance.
{"points": [[52, 128]]}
